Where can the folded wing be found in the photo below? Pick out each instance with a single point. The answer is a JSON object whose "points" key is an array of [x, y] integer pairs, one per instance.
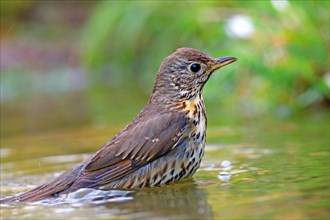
{"points": [[137, 145]]}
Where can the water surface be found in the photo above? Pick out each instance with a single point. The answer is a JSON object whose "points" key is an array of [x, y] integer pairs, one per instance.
{"points": [[257, 169]]}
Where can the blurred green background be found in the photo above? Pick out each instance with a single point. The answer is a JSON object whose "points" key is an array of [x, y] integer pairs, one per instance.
{"points": [[73, 73], [82, 63]]}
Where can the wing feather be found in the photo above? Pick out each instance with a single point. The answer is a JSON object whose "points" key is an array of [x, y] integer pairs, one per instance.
{"points": [[133, 148]]}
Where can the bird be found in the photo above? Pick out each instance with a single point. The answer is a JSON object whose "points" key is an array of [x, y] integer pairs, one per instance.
{"points": [[164, 143]]}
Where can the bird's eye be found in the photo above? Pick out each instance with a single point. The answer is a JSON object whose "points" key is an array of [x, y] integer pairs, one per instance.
{"points": [[195, 67]]}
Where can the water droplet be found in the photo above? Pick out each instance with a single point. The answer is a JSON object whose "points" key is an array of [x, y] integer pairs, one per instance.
{"points": [[224, 176], [225, 163]]}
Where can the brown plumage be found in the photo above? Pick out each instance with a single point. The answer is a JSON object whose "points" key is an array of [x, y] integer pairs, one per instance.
{"points": [[164, 143]]}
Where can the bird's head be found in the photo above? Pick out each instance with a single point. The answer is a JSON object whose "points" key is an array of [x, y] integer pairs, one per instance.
{"points": [[183, 74]]}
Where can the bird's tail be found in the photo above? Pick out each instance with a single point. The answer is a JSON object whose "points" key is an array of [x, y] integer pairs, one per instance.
{"points": [[53, 188]]}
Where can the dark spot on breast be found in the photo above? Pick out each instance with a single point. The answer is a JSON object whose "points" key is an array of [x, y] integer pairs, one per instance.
{"points": [[183, 170], [155, 177], [195, 111], [192, 154], [189, 164], [141, 185], [165, 168], [164, 177], [191, 171], [184, 105], [203, 136], [197, 106], [182, 165], [200, 153], [147, 180], [182, 173], [191, 95], [198, 134], [196, 122], [172, 166], [204, 114], [172, 172]]}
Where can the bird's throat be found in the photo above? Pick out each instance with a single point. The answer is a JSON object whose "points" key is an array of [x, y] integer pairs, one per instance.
{"points": [[191, 107]]}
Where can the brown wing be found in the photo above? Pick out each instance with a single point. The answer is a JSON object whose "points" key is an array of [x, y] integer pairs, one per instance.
{"points": [[134, 147]]}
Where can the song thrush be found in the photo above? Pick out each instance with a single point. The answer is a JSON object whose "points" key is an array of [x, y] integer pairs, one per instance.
{"points": [[164, 143]]}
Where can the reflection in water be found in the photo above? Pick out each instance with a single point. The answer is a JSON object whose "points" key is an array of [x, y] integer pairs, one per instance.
{"points": [[179, 200]]}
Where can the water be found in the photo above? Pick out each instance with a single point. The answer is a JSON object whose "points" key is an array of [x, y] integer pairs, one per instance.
{"points": [[256, 169]]}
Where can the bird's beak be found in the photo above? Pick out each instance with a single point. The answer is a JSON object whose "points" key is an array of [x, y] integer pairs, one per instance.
{"points": [[222, 61]]}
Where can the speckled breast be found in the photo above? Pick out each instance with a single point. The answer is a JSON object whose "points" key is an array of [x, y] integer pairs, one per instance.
{"points": [[181, 162]]}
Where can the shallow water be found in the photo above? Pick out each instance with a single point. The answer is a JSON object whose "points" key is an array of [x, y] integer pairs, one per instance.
{"points": [[257, 169]]}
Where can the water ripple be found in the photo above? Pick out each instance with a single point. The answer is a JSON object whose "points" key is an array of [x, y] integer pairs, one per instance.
{"points": [[88, 196]]}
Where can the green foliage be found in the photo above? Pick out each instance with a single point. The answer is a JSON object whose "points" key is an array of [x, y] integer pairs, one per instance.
{"points": [[282, 64]]}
